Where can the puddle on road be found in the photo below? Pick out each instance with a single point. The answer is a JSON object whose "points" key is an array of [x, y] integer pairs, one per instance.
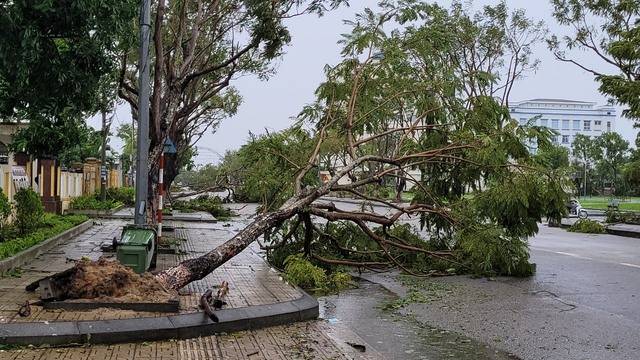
{"points": [[396, 336]]}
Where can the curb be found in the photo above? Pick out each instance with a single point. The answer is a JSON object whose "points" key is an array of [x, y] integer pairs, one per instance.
{"points": [[32, 252], [182, 326], [94, 213], [169, 217]]}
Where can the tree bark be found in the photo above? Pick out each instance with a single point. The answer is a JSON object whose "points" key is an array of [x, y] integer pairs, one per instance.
{"points": [[197, 268]]}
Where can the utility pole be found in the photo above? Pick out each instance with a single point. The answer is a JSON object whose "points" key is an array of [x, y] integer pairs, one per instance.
{"points": [[103, 158], [142, 155]]}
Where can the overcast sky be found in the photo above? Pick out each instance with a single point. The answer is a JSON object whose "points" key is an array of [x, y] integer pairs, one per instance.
{"points": [[271, 104]]}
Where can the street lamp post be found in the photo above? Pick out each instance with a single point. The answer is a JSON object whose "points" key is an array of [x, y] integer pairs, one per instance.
{"points": [[142, 154]]}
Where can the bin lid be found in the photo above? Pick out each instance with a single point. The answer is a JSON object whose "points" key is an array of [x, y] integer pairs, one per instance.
{"points": [[132, 236]]}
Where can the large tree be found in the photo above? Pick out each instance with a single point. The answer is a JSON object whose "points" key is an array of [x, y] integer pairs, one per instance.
{"points": [[611, 152], [584, 150], [199, 48], [609, 30], [461, 139]]}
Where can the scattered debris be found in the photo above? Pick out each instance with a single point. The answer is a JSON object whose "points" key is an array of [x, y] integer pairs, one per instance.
{"points": [[210, 303], [25, 310], [358, 347]]}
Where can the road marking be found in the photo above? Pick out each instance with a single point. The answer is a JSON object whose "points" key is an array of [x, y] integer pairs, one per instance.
{"points": [[573, 255], [632, 265]]}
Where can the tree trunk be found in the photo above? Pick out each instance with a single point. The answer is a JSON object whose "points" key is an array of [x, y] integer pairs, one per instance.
{"points": [[197, 268]]}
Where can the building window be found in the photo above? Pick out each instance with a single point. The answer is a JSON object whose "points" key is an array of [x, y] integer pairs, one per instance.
{"points": [[608, 125], [576, 124], [587, 125], [565, 139], [597, 123], [544, 122], [555, 124], [565, 124], [554, 138]]}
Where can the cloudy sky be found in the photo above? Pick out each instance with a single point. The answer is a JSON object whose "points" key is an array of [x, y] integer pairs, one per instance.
{"points": [[271, 104]]}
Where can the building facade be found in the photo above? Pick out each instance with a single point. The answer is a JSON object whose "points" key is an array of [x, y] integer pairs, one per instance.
{"points": [[567, 117]]}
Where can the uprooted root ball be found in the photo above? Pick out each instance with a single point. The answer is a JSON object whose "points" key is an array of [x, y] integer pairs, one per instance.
{"points": [[108, 279]]}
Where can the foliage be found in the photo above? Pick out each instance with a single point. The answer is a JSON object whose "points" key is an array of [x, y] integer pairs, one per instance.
{"points": [[125, 195], [610, 31], [49, 226], [625, 217], [93, 202], [193, 92], [57, 56], [211, 204], [5, 209], [553, 157], [587, 226], [29, 210], [301, 272], [125, 133], [270, 164], [419, 291], [66, 137]]}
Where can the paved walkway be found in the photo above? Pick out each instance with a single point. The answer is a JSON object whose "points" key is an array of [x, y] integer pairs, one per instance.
{"points": [[309, 340], [251, 282]]}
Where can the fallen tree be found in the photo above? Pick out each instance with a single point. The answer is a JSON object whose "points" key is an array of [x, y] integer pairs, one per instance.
{"points": [[432, 98], [425, 93]]}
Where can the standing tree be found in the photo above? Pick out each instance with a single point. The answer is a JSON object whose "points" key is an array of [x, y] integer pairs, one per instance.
{"points": [[584, 150], [610, 31], [611, 153], [199, 49]]}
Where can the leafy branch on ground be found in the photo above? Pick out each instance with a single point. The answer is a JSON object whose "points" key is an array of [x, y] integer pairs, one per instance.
{"points": [[587, 226]]}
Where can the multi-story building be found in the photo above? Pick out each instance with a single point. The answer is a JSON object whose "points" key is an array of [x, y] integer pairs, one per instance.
{"points": [[567, 117]]}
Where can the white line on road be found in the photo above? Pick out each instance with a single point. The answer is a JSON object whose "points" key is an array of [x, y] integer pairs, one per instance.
{"points": [[572, 255], [632, 265]]}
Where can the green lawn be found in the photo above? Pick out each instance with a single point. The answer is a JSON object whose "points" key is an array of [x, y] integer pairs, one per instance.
{"points": [[601, 202]]}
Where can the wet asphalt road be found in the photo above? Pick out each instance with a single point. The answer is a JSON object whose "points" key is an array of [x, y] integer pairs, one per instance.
{"points": [[583, 302]]}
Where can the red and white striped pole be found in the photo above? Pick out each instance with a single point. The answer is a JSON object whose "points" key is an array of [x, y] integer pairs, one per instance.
{"points": [[160, 195]]}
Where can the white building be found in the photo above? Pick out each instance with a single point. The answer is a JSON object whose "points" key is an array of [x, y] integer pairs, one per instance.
{"points": [[567, 117]]}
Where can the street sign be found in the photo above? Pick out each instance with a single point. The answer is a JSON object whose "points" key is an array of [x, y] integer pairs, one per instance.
{"points": [[169, 147]]}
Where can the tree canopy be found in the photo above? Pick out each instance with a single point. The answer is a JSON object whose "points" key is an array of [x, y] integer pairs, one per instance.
{"points": [[609, 30], [57, 57]]}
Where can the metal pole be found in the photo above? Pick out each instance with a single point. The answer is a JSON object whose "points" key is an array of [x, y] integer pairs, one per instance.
{"points": [[142, 158], [160, 195]]}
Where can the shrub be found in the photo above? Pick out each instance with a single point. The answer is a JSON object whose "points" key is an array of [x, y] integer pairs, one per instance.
{"points": [[89, 202], [5, 208], [29, 210], [51, 225], [615, 216], [588, 227], [124, 195]]}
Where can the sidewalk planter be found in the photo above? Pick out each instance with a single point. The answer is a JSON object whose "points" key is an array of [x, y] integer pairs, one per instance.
{"points": [[32, 252]]}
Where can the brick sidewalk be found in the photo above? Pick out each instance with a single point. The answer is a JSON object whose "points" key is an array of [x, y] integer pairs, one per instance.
{"points": [[251, 280], [309, 340]]}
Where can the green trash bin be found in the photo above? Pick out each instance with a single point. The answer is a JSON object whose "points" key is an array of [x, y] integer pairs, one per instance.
{"points": [[137, 248]]}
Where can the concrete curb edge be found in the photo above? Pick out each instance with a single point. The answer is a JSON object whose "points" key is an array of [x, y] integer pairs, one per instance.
{"points": [[181, 326]]}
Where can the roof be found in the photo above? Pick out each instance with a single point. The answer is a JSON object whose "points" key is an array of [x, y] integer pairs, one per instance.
{"points": [[561, 100]]}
